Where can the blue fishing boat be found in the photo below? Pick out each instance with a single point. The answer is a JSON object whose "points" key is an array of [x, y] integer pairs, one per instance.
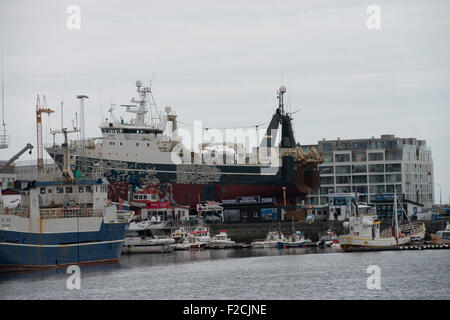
{"points": [[294, 240], [62, 222]]}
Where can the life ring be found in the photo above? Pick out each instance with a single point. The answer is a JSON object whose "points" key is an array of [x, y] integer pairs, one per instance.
{"points": [[331, 210]]}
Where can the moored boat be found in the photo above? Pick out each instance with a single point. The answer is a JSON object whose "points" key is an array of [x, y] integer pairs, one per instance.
{"points": [[221, 241], [365, 230], [442, 236], [271, 241], [62, 222], [191, 242], [147, 245], [201, 233], [329, 239], [294, 240]]}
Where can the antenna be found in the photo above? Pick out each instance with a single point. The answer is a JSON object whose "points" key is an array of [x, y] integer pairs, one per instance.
{"points": [[4, 139], [62, 118], [3, 97]]}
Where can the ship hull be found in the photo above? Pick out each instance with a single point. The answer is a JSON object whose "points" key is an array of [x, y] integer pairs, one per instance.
{"points": [[193, 182], [21, 250]]}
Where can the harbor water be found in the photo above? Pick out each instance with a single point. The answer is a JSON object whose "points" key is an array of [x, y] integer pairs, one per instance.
{"points": [[298, 273]]}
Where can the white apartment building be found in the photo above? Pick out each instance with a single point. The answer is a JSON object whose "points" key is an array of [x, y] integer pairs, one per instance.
{"points": [[375, 166]]}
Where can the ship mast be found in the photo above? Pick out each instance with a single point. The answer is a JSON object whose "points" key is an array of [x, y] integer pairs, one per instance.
{"points": [[142, 104], [396, 215]]}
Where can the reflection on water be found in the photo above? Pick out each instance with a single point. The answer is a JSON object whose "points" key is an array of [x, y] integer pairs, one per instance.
{"points": [[306, 273]]}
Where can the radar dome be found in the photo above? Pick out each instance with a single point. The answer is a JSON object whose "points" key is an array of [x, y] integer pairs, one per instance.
{"points": [[282, 89], [139, 83]]}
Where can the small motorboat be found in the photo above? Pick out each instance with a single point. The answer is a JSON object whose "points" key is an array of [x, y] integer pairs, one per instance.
{"points": [[442, 236], [189, 243], [294, 240], [147, 245], [329, 239], [271, 240], [221, 241], [202, 234]]}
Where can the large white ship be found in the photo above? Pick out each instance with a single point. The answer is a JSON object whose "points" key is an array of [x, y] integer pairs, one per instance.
{"points": [[135, 151]]}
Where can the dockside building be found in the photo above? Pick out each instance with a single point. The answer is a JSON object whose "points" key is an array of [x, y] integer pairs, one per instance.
{"points": [[373, 167]]}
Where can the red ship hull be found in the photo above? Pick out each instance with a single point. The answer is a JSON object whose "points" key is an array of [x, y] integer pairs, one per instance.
{"points": [[191, 194]]}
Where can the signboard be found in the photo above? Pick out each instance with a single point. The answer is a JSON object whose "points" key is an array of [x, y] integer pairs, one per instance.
{"points": [[247, 199], [157, 205], [230, 201], [267, 200], [269, 214]]}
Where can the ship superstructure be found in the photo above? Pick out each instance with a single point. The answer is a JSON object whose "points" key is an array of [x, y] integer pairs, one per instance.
{"points": [[141, 149]]}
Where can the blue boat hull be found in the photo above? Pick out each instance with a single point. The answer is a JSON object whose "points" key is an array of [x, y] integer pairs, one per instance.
{"points": [[34, 250]]}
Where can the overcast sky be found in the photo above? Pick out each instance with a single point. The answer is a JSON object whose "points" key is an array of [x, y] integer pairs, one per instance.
{"points": [[222, 61]]}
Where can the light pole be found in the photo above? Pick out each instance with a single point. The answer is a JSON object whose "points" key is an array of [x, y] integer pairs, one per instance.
{"points": [[440, 193]]}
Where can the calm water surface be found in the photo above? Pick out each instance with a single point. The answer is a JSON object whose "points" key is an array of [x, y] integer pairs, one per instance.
{"points": [[246, 274]]}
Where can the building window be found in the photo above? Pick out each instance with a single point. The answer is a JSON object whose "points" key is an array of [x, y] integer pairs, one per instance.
{"points": [[59, 190], [342, 157], [360, 189], [377, 189], [378, 178], [88, 189], [326, 170], [343, 189], [42, 190], [393, 167], [69, 190], [326, 180], [359, 145], [358, 156], [327, 158], [394, 155], [342, 169], [359, 179], [393, 178], [359, 168], [391, 144], [342, 180], [376, 156], [376, 144], [80, 189], [376, 167], [326, 146]]}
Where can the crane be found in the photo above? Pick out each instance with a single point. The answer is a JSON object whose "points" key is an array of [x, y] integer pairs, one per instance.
{"points": [[39, 112], [66, 172], [15, 157]]}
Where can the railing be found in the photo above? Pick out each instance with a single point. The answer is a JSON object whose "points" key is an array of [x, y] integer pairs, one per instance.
{"points": [[18, 211], [58, 213], [4, 141], [404, 229], [124, 215]]}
